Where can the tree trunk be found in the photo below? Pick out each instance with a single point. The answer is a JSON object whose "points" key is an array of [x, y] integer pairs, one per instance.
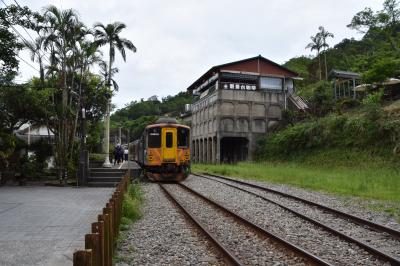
{"points": [[319, 66], [78, 107], [41, 70], [326, 67]]}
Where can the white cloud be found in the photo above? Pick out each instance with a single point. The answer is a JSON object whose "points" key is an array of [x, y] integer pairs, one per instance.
{"points": [[178, 40]]}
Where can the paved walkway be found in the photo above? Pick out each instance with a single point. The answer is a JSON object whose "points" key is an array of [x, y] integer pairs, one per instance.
{"points": [[44, 225], [126, 165]]}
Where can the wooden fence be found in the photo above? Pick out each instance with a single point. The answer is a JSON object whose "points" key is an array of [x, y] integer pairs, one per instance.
{"points": [[100, 244]]}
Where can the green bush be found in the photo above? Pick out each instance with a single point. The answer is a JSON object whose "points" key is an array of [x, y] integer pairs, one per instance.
{"points": [[96, 157], [373, 98], [346, 104], [369, 129]]}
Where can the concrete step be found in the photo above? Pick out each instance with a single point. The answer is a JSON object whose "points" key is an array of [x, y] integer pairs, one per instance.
{"points": [[104, 179], [106, 174], [102, 184], [107, 170]]}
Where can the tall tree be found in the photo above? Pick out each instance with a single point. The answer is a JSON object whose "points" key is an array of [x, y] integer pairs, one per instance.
{"points": [[385, 21], [62, 30], [109, 35], [35, 49], [105, 78], [316, 44], [324, 34]]}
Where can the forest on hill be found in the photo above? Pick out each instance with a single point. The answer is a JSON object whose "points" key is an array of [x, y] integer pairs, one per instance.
{"points": [[375, 56]]}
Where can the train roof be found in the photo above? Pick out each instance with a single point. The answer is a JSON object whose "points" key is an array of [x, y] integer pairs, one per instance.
{"points": [[167, 125], [165, 119]]}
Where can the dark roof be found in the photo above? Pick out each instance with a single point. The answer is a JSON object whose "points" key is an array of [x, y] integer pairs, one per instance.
{"points": [[343, 74], [217, 67], [166, 120]]}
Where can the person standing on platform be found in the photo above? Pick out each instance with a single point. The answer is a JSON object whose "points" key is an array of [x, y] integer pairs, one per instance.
{"points": [[126, 152]]}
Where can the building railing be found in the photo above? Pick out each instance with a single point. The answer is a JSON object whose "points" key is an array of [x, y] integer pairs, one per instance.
{"points": [[100, 243]]}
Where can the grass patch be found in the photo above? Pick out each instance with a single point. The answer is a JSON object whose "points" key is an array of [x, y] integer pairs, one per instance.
{"points": [[350, 173], [131, 205], [131, 212]]}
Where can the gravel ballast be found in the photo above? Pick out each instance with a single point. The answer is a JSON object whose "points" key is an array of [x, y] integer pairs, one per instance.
{"points": [[163, 236], [382, 241], [243, 242], [272, 217]]}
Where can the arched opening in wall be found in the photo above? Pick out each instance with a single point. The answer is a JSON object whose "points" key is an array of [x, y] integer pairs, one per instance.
{"points": [[234, 149]]}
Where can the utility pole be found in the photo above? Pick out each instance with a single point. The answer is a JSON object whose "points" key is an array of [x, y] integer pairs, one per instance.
{"points": [[84, 154], [106, 144]]}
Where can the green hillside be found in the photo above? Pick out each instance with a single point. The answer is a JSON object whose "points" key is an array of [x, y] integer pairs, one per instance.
{"points": [[137, 114]]}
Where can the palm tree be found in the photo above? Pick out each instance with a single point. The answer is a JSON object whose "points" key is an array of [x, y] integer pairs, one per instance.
{"points": [[316, 44], [85, 54], [60, 29], [35, 48], [104, 73], [110, 35], [324, 34]]}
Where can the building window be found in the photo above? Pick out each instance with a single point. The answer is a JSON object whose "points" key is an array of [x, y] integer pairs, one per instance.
{"points": [[271, 83]]}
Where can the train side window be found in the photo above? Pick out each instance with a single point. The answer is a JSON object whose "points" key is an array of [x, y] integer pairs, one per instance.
{"points": [[183, 137], [154, 137], [168, 140]]}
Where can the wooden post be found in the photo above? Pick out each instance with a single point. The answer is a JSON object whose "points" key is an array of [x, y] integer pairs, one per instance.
{"points": [[98, 228], [108, 212], [83, 258], [92, 242], [107, 254]]}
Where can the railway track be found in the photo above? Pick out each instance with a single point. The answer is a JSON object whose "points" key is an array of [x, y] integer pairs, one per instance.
{"points": [[364, 227], [240, 240]]}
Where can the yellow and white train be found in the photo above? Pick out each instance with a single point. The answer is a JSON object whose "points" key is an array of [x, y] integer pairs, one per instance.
{"points": [[163, 151]]}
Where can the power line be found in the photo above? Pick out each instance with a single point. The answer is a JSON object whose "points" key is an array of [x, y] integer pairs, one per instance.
{"points": [[22, 37], [43, 51], [24, 27], [28, 63]]}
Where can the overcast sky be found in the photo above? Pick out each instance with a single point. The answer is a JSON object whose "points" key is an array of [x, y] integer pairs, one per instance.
{"points": [[178, 40]]}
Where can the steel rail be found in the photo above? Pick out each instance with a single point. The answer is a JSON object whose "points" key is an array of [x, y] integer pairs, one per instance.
{"points": [[380, 227], [360, 243], [228, 255], [298, 250]]}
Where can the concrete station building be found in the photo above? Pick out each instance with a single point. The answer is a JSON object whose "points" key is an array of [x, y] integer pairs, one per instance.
{"points": [[234, 104]]}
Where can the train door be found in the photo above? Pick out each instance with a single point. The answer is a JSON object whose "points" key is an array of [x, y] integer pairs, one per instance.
{"points": [[169, 144]]}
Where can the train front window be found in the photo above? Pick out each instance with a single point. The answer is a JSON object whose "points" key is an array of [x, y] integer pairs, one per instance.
{"points": [[168, 140], [154, 137], [183, 137]]}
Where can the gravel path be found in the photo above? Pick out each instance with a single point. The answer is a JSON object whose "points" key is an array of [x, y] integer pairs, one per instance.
{"points": [[285, 224], [353, 205], [164, 237], [247, 246], [382, 241]]}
